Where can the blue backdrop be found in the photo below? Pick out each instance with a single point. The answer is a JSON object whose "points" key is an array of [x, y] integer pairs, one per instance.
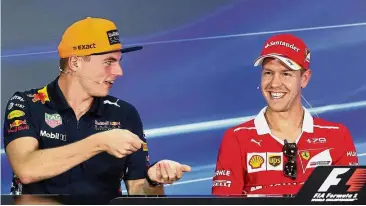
{"points": [[197, 66]]}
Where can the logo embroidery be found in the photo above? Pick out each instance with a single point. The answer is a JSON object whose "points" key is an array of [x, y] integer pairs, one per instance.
{"points": [[17, 123], [85, 46], [256, 161], [15, 114], [274, 160], [53, 135], [144, 147], [258, 143], [106, 125], [112, 103], [16, 97], [113, 37], [317, 140], [53, 120], [10, 105], [305, 155], [41, 95], [282, 43], [19, 128], [307, 55]]}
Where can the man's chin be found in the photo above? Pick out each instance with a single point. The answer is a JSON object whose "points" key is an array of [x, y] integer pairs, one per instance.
{"points": [[278, 107], [100, 94]]}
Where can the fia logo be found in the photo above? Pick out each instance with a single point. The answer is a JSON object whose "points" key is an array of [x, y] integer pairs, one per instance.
{"points": [[356, 182]]}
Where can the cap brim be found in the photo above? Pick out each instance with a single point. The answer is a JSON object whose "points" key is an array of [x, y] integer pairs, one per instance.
{"points": [[288, 62], [131, 49], [124, 50]]}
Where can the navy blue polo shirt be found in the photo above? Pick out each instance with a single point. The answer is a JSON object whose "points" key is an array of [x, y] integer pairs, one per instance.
{"points": [[45, 115]]}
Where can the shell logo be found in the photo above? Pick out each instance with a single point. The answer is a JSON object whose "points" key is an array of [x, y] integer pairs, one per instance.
{"points": [[256, 161], [15, 114]]}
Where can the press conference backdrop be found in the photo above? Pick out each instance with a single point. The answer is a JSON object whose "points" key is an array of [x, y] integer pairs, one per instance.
{"points": [[196, 68]]}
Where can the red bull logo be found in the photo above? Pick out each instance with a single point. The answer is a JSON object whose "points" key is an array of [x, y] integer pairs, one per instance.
{"points": [[18, 128], [41, 95], [17, 123], [106, 125], [115, 123]]}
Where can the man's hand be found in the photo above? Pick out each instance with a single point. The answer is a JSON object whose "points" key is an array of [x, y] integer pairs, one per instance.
{"points": [[119, 142], [167, 171]]}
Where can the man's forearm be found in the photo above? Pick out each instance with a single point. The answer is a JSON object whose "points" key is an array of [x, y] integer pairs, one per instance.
{"points": [[148, 190], [47, 163], [142, 187]]}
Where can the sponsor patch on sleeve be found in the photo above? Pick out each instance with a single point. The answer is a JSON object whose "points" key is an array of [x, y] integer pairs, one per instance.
{"points": [[15, 114], [144, 147]]}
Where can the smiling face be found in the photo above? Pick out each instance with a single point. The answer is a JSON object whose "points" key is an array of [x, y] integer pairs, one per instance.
{"points": [[98, 73], [281, 87]]}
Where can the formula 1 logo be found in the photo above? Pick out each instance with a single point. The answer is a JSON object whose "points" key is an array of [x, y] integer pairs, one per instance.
{"points": [[356, 182]]}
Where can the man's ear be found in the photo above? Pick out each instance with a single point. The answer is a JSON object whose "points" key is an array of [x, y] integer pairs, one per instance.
{"points": [[305, 78], [74, 63]]}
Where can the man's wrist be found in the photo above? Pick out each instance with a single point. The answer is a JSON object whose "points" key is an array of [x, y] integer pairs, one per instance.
{"points": [[151, 182], [97, 145], [150, 190]]}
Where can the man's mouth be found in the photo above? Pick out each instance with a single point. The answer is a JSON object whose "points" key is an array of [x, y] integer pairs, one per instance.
{"points": [[109, 82], [277, 95]]}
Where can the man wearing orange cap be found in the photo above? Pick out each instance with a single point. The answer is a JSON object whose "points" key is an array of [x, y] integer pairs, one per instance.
{"points": [[71, 137], [275, 152]]}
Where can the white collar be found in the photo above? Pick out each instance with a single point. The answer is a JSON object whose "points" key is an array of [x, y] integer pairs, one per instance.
{"points": [[262, 127]]}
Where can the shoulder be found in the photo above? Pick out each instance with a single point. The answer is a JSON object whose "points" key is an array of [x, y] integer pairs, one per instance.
{"points": [[243, 129], [125, 112], [24, 96], [322, 124], [239, 134], [331, 129]]}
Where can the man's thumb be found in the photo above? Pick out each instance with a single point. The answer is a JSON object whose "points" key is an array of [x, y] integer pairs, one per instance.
{"points": [[186, 168]]}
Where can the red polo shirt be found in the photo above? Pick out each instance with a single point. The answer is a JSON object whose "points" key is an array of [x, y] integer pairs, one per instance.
{"points": [[251, 161]]}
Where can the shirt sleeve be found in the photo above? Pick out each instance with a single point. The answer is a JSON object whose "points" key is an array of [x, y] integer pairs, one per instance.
{"points": [[229, 173], [17, 120], [346, 153], [138, 162]]}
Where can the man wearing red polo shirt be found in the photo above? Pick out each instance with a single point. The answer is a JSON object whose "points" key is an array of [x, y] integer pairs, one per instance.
{"points": [[276, 151]]}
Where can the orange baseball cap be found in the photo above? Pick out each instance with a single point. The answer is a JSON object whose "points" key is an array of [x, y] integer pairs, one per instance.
{"points": [[91, 36]]}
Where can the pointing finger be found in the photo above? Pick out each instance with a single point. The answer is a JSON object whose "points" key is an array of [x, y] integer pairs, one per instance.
{"points": [[186, 168]]}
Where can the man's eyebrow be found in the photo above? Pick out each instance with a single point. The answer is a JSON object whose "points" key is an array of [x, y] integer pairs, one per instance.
{"points": [[111, 59], [284, 70]]}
